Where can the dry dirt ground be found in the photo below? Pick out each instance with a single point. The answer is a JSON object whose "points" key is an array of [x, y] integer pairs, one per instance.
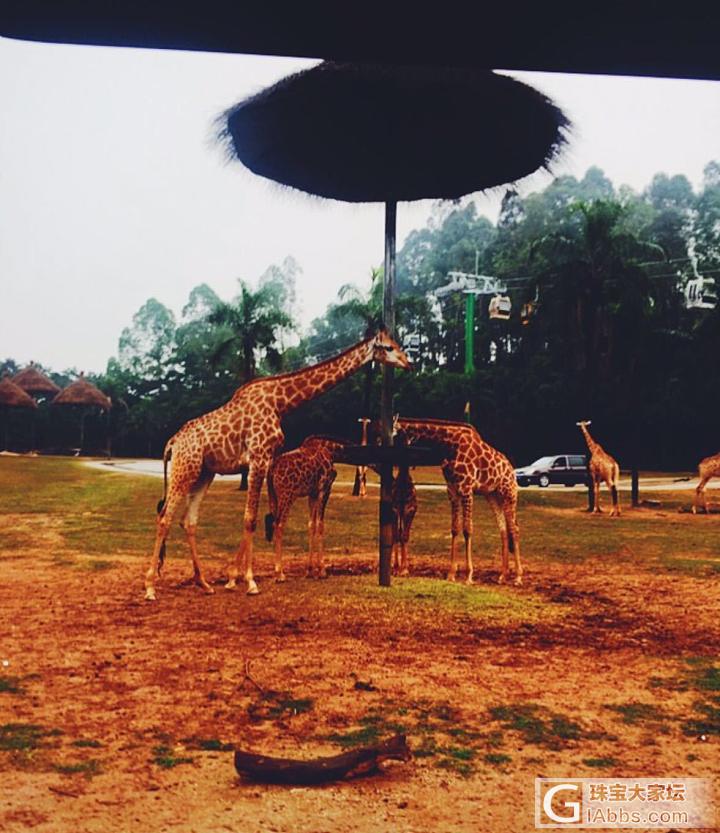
{"points": [[120, 715]]}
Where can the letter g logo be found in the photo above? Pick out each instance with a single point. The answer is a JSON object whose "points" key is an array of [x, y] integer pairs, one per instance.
{"points": [[573, 806]]}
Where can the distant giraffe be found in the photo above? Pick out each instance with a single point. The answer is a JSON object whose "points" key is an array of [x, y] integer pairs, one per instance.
{"points": [[307, 471], [404, 508], [602, 467], [246, 431], [472, 467], [707, 468]]}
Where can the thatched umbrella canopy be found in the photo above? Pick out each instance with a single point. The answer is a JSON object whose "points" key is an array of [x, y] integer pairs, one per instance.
{"points": [[82, 392], [35, 382], [365, 133], [86, 396], [13, 396]]}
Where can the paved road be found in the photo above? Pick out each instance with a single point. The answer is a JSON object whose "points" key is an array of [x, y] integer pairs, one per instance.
{"points": [[154, 468]]}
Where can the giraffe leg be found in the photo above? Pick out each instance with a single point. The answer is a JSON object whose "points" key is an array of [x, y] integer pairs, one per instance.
{"points": [[454, 530], [312, 526], [282, 511], [189, 524], [510, 510], [320, 547], [612, 488], [277, 538], [324, 497], [700, 495], [499, 515], [256, 476], [467, 505], [404, 566], [174, 499], [596, 487], [396, 542], [405, 540]]}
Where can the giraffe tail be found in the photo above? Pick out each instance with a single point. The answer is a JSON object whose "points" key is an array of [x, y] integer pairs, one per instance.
{"points": [[161, 503]]}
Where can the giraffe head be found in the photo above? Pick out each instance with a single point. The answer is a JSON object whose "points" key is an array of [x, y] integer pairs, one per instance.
{"points": [[583, 422], [400, 436], [387, 351]]}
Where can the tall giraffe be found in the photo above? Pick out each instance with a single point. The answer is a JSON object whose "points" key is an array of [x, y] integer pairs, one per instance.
{"points": [[602, 467], [472, 467], [246, 430], [307, 471], [707, 468]]}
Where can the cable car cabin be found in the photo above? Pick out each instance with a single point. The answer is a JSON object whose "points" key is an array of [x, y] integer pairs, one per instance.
{"points": [[500, 307], [700, 293]]}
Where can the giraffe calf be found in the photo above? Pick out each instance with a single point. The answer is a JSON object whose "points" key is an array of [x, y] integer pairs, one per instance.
{"points": [[404, 507], [307, 471]]}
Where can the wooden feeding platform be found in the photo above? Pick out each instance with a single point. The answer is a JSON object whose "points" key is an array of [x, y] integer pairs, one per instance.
{"points": [[392, 455]]}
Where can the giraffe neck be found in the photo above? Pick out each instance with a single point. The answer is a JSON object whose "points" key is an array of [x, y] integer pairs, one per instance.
{"points": [[437, 432], [288, 391], [364, 439], [591, 444]]}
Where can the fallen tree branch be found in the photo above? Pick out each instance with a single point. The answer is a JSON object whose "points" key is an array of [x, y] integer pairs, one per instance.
{"points": [[320, 770], [254, 682]]}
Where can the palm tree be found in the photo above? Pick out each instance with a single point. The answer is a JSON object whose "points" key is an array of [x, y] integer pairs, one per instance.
{"points": [[255, 323], [603, 307]]}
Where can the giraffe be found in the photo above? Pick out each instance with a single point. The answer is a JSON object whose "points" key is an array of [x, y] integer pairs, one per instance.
{"points": [[404, 508], [360, 485], [602, 467], [707, 468], [246, 431], [307, 471], [472, 467]]}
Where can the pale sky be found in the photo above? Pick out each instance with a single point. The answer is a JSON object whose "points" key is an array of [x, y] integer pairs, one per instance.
{"points": [[112, 190]]}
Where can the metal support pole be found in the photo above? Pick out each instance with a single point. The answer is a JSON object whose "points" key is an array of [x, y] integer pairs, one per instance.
{"points": [[469, 333], [386, 402]]}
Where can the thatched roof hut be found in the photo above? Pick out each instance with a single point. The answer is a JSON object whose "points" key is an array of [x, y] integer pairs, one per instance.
{"points": [[367, 133], [82, 392], [34, 381], [13, 396]]}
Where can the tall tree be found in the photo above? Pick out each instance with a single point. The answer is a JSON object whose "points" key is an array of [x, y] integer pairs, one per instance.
{"points": [[254, 323], [146, 347]]}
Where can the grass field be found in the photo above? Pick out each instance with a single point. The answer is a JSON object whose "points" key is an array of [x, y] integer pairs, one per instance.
{"points": [[117, 714]]}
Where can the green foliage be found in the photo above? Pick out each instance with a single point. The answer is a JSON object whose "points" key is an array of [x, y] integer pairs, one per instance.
{"points": [[608, 335], [164, 757], [10, 685], [275, 705], [600, 763], [16, 737], [89, 768], [634, 713], [207, 744], [497, 758], [537, 725]]}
